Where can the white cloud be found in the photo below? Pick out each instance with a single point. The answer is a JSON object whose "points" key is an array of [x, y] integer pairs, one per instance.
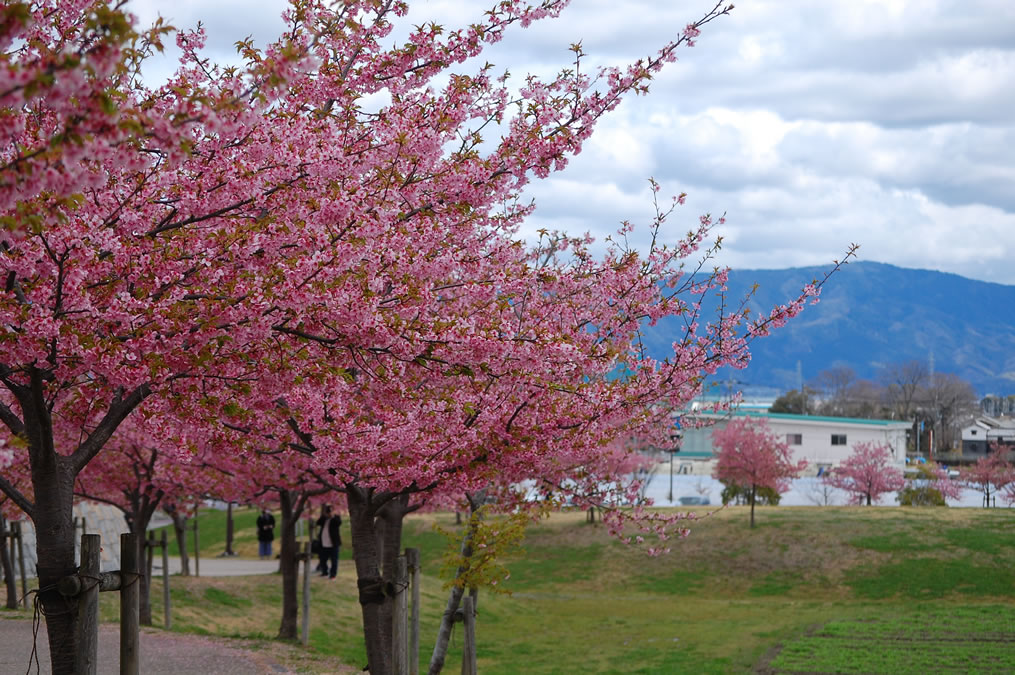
{"points": [[812, 123]]}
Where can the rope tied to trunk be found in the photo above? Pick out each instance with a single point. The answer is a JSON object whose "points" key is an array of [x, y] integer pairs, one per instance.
{"points": [[371, 590], [39, 611]]}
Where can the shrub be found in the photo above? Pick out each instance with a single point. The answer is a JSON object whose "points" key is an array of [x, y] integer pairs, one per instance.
{"points": [[739, 494], [921, 495]]}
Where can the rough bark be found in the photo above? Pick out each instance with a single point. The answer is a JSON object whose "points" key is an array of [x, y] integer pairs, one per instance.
{"points": [[754, 491], [180, 528], [389, 521], [368, 578], [229, 529], [53, 483], [375, 520], [142, 509], [292, 508]]}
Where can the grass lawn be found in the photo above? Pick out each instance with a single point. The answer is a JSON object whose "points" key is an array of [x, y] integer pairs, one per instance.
{"points": [[811, 589]]}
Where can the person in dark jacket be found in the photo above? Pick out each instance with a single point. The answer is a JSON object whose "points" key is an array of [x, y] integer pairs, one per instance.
{"points": [[331, 540], [265, 533]]}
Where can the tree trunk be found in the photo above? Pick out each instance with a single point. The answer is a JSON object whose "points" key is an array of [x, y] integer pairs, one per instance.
{"points": [[754, 490], [180, 527], [390, 517], [138, 518], [144, 605], [368, 579], [868, 499], [8, 567], [52, 513], [53, 482], [376, 523], [291, 509], [229, 529], [440, 649]]}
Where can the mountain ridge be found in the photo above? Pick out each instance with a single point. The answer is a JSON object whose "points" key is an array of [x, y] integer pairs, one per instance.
{"points": [[870, 315]]}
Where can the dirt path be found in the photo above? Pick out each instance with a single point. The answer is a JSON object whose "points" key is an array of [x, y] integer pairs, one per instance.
{"points": [[161, 653]]}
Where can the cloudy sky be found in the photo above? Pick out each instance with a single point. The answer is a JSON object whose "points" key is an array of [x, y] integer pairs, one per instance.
{"points": [[811, 123]]}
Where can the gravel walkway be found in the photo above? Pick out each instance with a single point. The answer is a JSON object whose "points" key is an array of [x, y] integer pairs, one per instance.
{"points": [[161, 653]]}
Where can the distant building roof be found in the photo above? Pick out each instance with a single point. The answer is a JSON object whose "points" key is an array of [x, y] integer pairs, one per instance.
{"points": [[816, 419]]}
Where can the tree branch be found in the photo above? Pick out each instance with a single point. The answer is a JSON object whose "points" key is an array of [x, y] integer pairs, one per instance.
{"points": [[119, 408], [17, 497], [11, 419]]}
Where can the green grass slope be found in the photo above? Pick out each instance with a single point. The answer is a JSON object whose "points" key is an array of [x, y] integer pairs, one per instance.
{"points": [[816, 590]]}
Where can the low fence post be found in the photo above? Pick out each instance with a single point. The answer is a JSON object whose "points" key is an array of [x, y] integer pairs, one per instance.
{"points": [[305, 619], [165, 582], [21, 563], [400, 619], [84, 587], [469, 639], [130, 602], [149, 555], [412, 560], [8, 565], [87, 627], [78, 523], [13, 534]]}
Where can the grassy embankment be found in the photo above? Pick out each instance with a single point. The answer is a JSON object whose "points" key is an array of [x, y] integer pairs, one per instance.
{"points": [[811, 589]]}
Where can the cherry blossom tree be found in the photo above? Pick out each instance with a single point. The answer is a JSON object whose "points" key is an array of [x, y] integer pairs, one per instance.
{"points": [[97, 307], [990, 474], [751, 455], [255, 247], [867, 473]]}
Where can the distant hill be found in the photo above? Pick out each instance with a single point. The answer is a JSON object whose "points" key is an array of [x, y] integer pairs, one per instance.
{"points": [[873, 314]]}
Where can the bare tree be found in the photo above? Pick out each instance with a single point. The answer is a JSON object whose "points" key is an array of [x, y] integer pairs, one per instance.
{"points": [[866, 399], [947, 400], [819, 492], [902, 383], [834, 384]]}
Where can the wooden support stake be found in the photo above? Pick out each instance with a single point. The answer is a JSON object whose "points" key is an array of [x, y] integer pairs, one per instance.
{"points": [[21, 564], [149, 556], [8, 565], [130, 604], [305, 624], [165, 582], [469, 640], [13, 533], [87, 626], [400, 619], [412, 560], [74, 584]]}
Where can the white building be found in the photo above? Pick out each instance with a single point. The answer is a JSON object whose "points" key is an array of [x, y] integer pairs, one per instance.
{"points": [[823, 441], [984, 431]]}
